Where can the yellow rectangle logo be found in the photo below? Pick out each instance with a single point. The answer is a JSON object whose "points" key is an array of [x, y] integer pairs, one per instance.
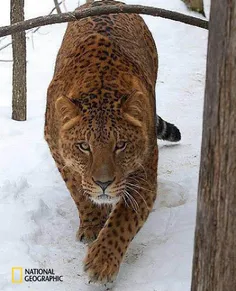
{"points": [[17, 274]]}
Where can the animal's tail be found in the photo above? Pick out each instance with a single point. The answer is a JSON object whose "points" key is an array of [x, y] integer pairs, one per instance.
{"points": [[167, 131]]}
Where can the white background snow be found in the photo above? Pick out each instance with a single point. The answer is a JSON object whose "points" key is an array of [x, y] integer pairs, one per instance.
{"points": [[38, 219]]}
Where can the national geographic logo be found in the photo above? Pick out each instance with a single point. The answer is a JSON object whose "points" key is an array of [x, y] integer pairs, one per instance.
{"points": [[17, 275], [20, 275]]}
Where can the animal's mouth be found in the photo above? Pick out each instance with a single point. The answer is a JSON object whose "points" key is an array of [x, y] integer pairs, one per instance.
{"points": [[105, 198]]}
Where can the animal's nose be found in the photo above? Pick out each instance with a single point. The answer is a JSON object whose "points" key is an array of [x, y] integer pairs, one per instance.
{"points": [[103, 185]]}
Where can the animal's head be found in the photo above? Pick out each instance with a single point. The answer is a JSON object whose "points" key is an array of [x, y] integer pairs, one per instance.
{"points": [[105, 145]]}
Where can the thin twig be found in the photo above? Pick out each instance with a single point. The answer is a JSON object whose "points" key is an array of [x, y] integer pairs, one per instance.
{"points": [[57, 6], [51, 12], [103, 10], [54, 8], [3, 38], [5, 46], [64, 5], [6, 61]]}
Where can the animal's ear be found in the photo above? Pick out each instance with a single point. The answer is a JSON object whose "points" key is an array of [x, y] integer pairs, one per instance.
{"points": [[135, 107], [66, 109]]}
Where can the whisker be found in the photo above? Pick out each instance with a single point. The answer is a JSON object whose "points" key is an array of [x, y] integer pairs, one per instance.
{"points": [[135, 203], [143, 169], [129, 201], [63, 168], [119, 186], [135, 178], [139, 195], [123, 196], [139, 187]]}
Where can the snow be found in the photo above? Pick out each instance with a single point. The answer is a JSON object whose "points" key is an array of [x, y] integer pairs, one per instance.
{"points": [[38, 219]]}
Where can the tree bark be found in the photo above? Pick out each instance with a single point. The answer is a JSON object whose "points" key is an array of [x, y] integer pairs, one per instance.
{"points": [[104, 10], [214, 262], [19, 64]]}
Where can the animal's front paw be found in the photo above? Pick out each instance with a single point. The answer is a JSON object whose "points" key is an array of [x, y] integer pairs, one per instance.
{"points": [[101, 263], [88, 233]]}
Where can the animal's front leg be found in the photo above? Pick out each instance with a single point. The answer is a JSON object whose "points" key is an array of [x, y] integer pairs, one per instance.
{"points": [[106, 253], [92, 220], [92, 217]]}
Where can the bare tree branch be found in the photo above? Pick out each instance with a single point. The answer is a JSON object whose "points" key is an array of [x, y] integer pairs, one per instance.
{"points": [[32, 30], [64, 5], [54, 8], [51, 12], [5, 46], [57, 6], [104, 10], [6, 61], [3, 38]]}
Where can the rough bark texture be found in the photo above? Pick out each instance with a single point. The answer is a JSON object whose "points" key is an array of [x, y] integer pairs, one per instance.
{"points": [[195, 5], [19, 64], [214, 263], [110, 9]]}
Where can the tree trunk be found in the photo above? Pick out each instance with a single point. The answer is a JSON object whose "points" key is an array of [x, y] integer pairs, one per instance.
{"points": [[214, 262], [195, 5], [19, 64]]}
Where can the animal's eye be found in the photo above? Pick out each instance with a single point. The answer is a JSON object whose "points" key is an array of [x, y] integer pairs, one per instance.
{"points": [[120, 146], [83, 146]]}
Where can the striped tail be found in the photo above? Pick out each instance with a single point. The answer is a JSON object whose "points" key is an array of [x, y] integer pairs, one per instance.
{"points": [[167, 131]]}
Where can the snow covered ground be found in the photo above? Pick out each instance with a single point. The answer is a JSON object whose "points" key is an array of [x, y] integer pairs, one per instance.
{"points": [[38, 219]]}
